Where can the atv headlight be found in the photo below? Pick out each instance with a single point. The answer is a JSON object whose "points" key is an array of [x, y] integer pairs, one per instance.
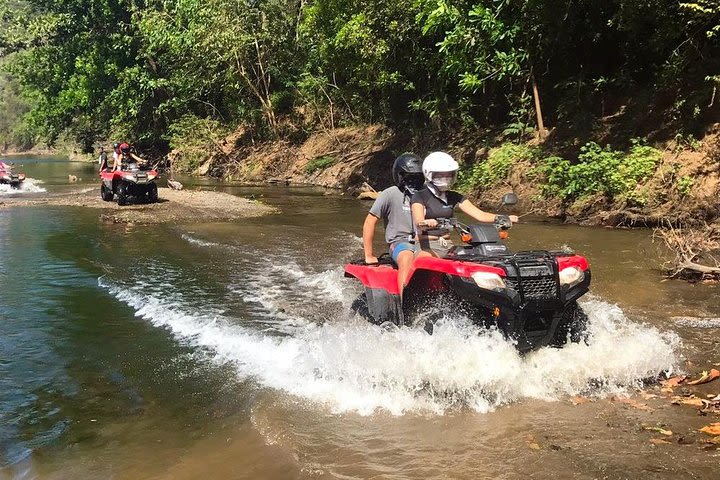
{"points": [[129, 176], [489, 281], [571, 276]]}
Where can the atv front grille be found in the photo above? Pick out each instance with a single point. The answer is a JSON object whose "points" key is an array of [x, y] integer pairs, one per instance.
{"points": [[537, 288]]}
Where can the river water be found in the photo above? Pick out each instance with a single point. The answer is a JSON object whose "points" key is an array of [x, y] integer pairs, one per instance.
{"points": [[229, 350]]}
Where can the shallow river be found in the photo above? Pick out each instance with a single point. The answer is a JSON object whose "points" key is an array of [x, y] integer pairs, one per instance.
{"points": [[228, 350]]}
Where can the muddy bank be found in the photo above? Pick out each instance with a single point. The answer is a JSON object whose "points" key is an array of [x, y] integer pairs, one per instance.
{"points": [[185, 206], [685, 183]]}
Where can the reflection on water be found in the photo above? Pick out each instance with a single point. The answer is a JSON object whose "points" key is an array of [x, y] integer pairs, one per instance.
{"points": [[230, 348]]}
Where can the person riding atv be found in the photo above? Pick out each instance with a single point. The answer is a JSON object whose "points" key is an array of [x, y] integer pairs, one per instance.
{"points": [[7, 176], [123, 154], [530, 296], [437, 201], [393, 207], [131, 176]]}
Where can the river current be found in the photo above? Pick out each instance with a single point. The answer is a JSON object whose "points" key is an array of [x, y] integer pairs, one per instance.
{"points": [[229, 350]]}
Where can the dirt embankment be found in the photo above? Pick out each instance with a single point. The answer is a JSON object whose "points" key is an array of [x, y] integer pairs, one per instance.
{"points": [[341, 159], [685, 185], [185, 206]]}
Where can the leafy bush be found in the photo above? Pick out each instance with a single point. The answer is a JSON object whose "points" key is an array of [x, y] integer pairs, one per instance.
{"points": [[496, 168], [319, 163], [195, 139], [684, 185], [599, 170]]}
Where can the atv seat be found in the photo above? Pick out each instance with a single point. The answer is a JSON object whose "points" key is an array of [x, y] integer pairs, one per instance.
{"points": [[384, 259]]}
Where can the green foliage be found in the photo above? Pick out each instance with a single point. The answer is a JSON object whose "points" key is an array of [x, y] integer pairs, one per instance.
{"points": [[132, 69], [194, 140], [320, 163], [684, 185], [520, 125], [599, 171], [496, 168], [687, 141]]}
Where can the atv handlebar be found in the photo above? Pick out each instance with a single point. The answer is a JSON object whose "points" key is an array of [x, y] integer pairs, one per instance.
{"points": [[502, 222]]}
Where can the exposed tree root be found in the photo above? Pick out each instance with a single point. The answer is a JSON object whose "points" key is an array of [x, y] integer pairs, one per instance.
{"points": [[695, 250]]}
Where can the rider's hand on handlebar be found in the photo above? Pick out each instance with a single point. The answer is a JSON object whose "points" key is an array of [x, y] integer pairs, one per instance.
{"points": [[370, 259], [514, 218], [430, 223]]}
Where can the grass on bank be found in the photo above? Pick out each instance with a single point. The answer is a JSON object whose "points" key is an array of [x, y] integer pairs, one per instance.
{"points": [[320, 163]]}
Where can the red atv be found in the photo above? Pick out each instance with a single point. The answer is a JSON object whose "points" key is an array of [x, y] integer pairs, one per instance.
{"points": [[530, 296], [7, 176], [132, 180]]}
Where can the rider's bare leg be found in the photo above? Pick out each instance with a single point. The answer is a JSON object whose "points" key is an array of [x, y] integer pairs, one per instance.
{"points": [[404, 262]]}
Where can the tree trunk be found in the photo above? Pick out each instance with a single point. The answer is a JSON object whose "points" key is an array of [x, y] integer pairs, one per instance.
{"points": [[542, 133]]}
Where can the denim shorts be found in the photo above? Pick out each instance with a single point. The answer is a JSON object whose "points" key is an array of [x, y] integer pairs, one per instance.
{"points": [[396, 248]]}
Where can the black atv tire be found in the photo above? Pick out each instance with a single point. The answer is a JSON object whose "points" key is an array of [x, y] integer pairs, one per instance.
{"points": [[360, 307], [152, 194], [106, 194], [572, 326], [122, 197]]}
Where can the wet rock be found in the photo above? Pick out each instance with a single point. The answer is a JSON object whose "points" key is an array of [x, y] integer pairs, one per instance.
{"points": [[683, 440]]}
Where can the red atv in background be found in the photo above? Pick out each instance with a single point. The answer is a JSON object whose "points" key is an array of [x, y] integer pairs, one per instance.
{"points": [[530, 296], [132, 180], [7, 176]]}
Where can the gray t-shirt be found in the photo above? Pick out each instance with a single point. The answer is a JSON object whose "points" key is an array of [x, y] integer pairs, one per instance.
{"points": [[393, 207]]}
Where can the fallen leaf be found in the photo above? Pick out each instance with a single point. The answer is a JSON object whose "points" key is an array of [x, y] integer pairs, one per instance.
{"points": [[673, 382], [715, 440], [661, 431], [693, 401], [706, 377], [659, 441], [667, 390], [579, 400], [712, 429]]}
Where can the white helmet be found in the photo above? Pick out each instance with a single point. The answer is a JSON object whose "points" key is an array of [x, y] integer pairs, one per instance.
{"points": [[440, 162]]}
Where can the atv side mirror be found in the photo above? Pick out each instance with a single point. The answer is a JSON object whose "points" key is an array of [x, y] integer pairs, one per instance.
{"points": [[509, 199]]}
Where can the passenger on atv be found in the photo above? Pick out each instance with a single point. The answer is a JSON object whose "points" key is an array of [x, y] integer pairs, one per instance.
{"points": [[123, 155], [437, 202], [393, 207]]}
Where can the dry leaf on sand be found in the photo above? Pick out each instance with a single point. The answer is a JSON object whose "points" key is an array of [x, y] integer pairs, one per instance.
{"points": [[659, 441], [712, 429], [693, 401], [706, 377], [673, 382]]}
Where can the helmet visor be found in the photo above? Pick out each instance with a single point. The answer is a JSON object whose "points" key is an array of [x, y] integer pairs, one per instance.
{"points": [[443, 181], [413, 181]]}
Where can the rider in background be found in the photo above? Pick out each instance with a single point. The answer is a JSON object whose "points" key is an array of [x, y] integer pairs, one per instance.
{"points": [[122, 152], [437, 201], [103, 159], [393, 207]]}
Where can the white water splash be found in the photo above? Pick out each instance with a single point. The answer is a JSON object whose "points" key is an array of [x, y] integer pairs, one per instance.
{"points": [[197, 241], [350, 365], [698, 322], [30, 185]]}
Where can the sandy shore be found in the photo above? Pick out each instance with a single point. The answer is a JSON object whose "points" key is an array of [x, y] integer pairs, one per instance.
{"points": [[185, 206]]}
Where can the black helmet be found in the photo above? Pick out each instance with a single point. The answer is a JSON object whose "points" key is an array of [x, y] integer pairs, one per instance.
{"points": [[407, 173]]}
